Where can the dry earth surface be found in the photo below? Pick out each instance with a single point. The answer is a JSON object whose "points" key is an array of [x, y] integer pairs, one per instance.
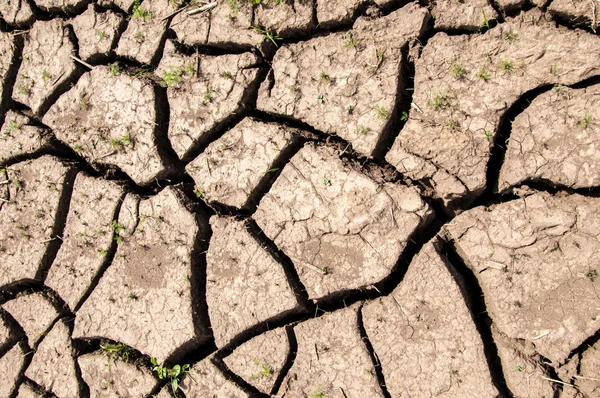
{"points": [[299, 198]]}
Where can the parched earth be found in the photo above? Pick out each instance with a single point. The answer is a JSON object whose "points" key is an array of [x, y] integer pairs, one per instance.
{"points": [[299, 198]]}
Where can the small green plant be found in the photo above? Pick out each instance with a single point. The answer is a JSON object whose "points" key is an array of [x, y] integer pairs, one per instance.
{"points": [[486, 23], [139, 12], [320, 98], [113, 69], [139, 36], [483, 74], [362, 130], [382, 112], [350, 41], [102, 251], [270, 170], [404, 116], [123, 141], [234, 5], [209, 94], [272, 36], [509, 36], [23, 90], [379, 54], [506, 65], [586, 121], [174, 374], [518, 368], [199, 192], [326, 182], [265, 370], [172, 76], [452, 124], [318, 394], [559, 88], [12, 125], [226, 75], [77, 148], [101, 35], [120, 350], [553, 69], [488, 135], [293, 89], [117, 228], [349, 109], [456, 70], [326, 77], [591, 274], [440, 101], [46, 76], [18, 183]]}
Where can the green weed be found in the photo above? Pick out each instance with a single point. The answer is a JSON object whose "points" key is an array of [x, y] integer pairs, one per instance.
{"points": [[226, 75], [382, 112], [483, 74], [139, 12], [209, 94], [326, 77], [440, 101], [586, 121], [120, 350], [591, 274], [101, 35], [320, 99], [350, 41], [123, 141], [174, 374], [506, 65], [272, 36], [456, 70]]}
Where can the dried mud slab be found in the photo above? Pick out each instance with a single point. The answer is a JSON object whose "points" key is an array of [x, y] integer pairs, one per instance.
{"points": [[53, 366], [260, 360], [204, 92], [471, 15], [244, 284], [34, 313], [554, 140], [39, 191], [144, 299], [342, 229], [16, 12], [335, 13], [582, 372], [425, 337], [206, 380], [46, 67], [26, 391], [522, 367], [345, 84], [10, 51], [20, 136], [331, 360], [465, 84], [146, 31], [110, 377], [125, 5], [110, 119], [87, 238], [231, 168], [10, 368], [226, 26], [98, 33], [536, 259], [581, 13], [286, 19], [57, 6]]}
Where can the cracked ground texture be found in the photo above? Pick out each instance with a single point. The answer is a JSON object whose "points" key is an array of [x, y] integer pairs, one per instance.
{"points": [[299, 198]]}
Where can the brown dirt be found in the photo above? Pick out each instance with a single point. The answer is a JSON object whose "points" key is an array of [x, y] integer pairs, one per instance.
{"points": [[34, 313], [20, 137], [98, 33]]}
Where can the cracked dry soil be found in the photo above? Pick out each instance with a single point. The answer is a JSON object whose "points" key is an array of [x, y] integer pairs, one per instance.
{"points": [[299, 198]]}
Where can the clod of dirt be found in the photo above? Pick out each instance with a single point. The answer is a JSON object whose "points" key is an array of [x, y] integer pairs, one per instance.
{"points": [[522, 368], [582, 372], [16, 12], [424, 335], [335, 13], [98, 33], [10, 368], [206, 380], [146, 30], [332, 359], [25, 391], [34, 313], [537, 262], [53, 366], [69, 6], [464, 86], [204, 92], [20, 136], [29, 219], [230, 168], [87, 238], [244, 284], [110, 377], [260, 360], [125, 5], [554, 140], [286, 19], [470, 15], [144, 299], [109, 118], [341, 229], [46, 66], [228, 25], [582, 13], [345, 84]]}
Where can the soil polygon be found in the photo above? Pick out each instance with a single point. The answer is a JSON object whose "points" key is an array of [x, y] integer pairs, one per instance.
{"points": [[332, 13], [555, 139], [345, 83], [34, 313], [204, 92], [16, 12], [144, 299], [53, 366], [539, 284], [21, 136], [125, 5], [10, 368], [465, 84], [110, 377], [97, 33], [425, 337], [471, 15], [341, 229], [260, 360], [206, 380], [244, 284], [87, 238], [25, 391], [228, 25], [232, 167], [29, 220], [46, 66], [582, 371], [110, 119], [331, 360], [146, 31], [291, 17], [582, 13], [68, 6]]}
